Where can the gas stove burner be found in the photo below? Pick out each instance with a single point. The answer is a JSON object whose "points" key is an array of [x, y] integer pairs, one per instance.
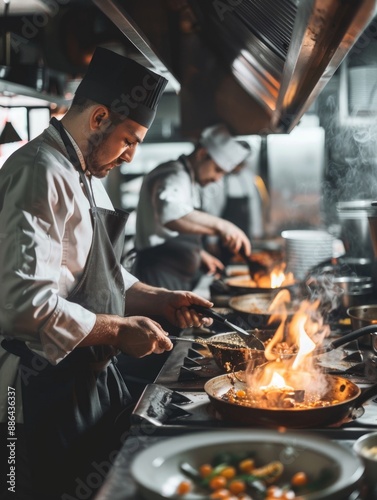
{"points": [[191, 373], [196, 365], [162, 407], [204, 369], [189, 362], [193, 353], [158, 404]]}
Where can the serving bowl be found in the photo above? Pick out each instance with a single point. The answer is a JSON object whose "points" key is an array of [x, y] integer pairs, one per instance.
{"points": [[158, 473], [366, 449]]}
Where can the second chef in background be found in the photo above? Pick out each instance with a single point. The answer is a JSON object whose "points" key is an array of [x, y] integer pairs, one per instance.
{"points": [[170, 223]]}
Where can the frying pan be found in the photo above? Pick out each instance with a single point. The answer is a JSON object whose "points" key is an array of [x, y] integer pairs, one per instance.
{"points": [[349, 396], [240, 285], [253, 308]]}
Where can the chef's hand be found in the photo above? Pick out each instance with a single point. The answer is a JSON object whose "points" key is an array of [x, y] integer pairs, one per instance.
{"points": [[234, 238], [176, 309], [211, 263], [134, 335], [146, 300], [139, 336]]}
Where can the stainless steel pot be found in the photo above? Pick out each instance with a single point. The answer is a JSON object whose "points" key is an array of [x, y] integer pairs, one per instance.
{"points": [[355, 233], [372, 220], [364, 315], [340, 292], [354, 290]]}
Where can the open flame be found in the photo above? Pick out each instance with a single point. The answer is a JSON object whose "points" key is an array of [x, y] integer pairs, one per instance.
{"points": [[276, 278], [277, 382], [279, 278], [283, 378]]}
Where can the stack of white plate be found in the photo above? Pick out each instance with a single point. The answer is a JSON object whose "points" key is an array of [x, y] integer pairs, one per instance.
{"points": [[363, 89], [306, 248]]}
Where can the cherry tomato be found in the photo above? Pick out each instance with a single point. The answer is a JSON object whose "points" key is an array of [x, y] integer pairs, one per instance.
{"points": [[237, 486], [299, 479], [229, 472], [217, 483], [184, 487], [246, 465], [205, 470], [222, 494]]}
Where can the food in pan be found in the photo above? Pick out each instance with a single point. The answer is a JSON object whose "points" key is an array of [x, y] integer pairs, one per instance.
{"points": [[238, 476], [276, 398]]}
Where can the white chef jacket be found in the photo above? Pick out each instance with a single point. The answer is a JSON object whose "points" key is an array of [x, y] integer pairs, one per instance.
{"points": [[45, 238], [168, 192]]}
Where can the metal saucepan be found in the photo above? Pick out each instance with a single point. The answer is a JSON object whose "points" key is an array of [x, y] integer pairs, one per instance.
{"points": [[365, 315], [348, 395]]}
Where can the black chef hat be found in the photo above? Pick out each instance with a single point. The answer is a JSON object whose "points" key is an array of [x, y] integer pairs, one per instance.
{"points": [[123, 85]]}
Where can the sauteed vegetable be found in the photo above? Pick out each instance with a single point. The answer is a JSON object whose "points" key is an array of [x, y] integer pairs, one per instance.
{"points": [[241, 477]]}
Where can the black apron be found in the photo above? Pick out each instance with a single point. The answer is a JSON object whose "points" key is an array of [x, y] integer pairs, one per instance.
{"points": [[70, 409], [175, 264], [236, 210]]}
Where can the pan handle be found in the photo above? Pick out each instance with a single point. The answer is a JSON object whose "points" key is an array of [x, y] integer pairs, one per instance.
{"points": [[364, 396], [208, 312], [353, 336]]}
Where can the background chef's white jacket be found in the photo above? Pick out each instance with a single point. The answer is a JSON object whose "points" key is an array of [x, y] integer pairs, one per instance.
{"points": [[43, 250], [168, 193]]}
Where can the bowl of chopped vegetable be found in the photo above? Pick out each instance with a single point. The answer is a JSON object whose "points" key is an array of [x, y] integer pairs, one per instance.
{"points": [[244, 464]]}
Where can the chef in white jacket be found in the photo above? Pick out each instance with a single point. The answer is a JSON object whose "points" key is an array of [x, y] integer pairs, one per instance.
{"points": [[170, 223], [67, 306]]}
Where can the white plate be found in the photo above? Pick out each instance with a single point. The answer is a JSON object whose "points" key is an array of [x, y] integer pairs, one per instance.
{"points": [[157, 473]]}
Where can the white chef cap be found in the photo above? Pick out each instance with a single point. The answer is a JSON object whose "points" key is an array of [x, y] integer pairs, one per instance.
{"points": [[224, 150]]}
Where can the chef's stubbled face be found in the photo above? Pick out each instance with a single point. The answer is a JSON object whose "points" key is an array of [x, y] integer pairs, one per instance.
{"points": [[209, 172], [113, 146]]}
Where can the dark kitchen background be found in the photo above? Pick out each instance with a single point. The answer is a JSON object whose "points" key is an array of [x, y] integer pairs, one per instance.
{"points": [[297, 80]]}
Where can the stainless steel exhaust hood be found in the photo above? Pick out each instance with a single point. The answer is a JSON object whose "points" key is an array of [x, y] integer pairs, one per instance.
{"points": [[258, 65]]}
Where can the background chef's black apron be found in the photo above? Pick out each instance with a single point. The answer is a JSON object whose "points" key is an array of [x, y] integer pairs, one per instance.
{"points": [[173, 265], [70, 409], [236, 210]]}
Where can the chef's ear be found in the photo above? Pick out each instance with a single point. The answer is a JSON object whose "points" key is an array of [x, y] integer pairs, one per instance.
{"points": [[99, 115], [202, 154], [99, 118]]}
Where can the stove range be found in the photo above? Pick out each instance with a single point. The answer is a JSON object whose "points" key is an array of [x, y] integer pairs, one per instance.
{"points": [[177, 402]]}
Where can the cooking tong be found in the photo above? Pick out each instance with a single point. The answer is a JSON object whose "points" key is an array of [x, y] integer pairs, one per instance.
{"points": [[249, 338]]}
